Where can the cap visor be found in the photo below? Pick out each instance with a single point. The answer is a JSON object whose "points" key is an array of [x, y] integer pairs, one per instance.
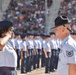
{"points": [[52, 27]]}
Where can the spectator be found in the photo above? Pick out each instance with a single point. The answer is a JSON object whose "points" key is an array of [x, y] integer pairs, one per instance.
{"points": [[27, 15], [68, 8]]}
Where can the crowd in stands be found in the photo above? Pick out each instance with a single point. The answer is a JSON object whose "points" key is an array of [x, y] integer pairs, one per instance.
{"points": [[68, 8], [27, 15]]}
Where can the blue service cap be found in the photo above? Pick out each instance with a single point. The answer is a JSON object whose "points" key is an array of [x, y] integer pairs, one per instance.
{"points": [[36, 34], [47, 36], [23, 35], [51, 33], [73, 33], [5, 24], [42, 34], [30, 34], [17, 34]]}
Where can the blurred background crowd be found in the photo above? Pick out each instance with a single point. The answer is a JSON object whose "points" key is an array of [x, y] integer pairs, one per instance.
{"points": [[30, 15], [68, 8], [27, 15]]}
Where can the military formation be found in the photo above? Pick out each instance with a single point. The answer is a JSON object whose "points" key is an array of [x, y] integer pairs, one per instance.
{"points": [[36, 51], [27, 52]]}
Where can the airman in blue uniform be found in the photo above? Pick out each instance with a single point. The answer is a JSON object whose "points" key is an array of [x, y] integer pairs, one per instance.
{"points": [[47, 52], [38, 47], [23, 54], [67, 55], [17, 46], [32, 52], [8, 57]]}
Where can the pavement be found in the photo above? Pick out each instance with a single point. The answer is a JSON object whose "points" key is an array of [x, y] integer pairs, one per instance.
{"points": [[39, 71]]}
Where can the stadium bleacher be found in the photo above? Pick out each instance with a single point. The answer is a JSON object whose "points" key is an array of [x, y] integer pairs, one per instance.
{"points": [[68, 8], [27, 15]]}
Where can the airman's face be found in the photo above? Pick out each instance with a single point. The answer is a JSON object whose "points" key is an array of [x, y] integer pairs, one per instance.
{"points": [[4, 34], [31, 37], [11, 29], [47, 39], [58, 31], [7, 31], [75, 36], [53, 36]]}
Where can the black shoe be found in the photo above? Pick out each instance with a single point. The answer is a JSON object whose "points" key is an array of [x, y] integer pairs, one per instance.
{"points": [[34, 68], [18, 68], [47, 72], [37, 66], [29, 71], [52, 71], [42, 65], [23, 72]]}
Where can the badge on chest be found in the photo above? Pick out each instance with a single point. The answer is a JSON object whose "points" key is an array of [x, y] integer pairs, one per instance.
{"points": [[70, 53]]}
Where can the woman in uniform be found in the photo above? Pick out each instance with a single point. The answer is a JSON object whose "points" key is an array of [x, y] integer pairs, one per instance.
{"points": [[8, 57]]}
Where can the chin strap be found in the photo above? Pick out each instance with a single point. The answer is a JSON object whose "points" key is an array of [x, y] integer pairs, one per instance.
{"points": [[67, 28]]}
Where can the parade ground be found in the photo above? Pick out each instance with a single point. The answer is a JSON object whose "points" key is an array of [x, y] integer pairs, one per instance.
{"points": [[38, 72]]}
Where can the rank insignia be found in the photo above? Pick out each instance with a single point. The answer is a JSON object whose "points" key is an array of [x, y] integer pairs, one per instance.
{"points": [[70, 53]]}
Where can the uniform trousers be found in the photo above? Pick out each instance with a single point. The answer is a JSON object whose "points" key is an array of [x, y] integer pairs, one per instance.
{"points": [[38, 57], [52, 62], [47, 62], [18, 58], [30, 60], [23, 63], [42, 59], [54, 59], [7, 71]]}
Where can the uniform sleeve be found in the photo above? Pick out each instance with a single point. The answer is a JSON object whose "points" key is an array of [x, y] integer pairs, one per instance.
{"points": [[21, 46], [44, 45], [27, 43], [34, 43], [71, 56], [15, 42], [50, 43]]}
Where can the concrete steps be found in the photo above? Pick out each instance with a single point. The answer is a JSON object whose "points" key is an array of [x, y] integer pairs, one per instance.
{"points": [[4, 6]]}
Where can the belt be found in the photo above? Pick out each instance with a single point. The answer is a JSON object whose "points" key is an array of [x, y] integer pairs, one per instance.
{"points": [[17, 49], [7, 68], [30, 49]]}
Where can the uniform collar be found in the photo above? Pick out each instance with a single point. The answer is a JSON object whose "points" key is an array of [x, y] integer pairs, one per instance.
{"points": [[64, 41]]}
